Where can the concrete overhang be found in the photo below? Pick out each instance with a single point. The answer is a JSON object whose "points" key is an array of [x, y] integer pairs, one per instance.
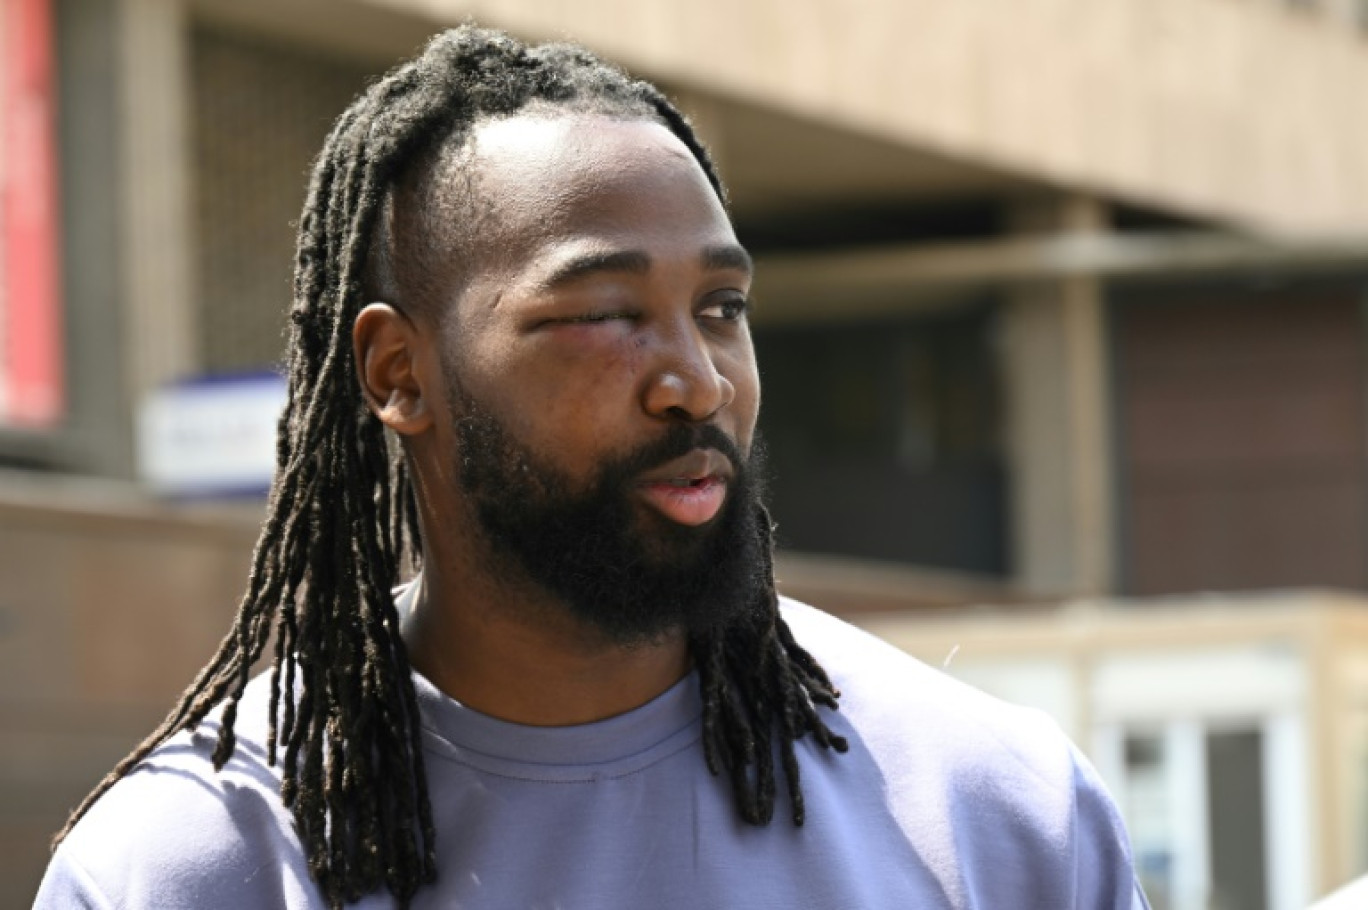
{"points": [[1253, 115], [773, 160]]}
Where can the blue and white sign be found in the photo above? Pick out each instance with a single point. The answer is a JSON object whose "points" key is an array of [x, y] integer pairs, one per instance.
{"points": [[213, 436]]}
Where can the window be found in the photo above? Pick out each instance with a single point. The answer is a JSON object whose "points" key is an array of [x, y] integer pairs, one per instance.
{"points": [[1150, 815], [1215, 808], [1235, 805], [884, 439], [261, 113]]}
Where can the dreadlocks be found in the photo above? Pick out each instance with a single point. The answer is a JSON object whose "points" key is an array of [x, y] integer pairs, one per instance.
{"points": [[342, 523]]}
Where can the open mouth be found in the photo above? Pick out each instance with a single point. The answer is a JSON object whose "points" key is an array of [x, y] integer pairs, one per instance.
{"points": [[686, 500], [689, 490]]}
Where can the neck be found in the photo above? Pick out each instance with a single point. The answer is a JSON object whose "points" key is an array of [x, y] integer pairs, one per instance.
{"points": [[518, 657]]}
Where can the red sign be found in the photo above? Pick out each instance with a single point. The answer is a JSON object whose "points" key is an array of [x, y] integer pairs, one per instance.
{"points": [[31, 360]]}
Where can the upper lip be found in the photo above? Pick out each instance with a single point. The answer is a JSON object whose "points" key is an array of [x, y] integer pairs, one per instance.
{"points": [[696, 465]]}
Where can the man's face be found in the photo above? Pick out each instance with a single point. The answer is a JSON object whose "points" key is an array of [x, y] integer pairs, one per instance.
{"points": [[600, 376]]}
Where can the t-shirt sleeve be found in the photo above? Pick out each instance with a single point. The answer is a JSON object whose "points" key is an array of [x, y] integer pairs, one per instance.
{"points": [[176, 835], [1104, 873], [68, 885]]}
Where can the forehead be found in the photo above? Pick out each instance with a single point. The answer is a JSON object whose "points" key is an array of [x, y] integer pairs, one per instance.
{"points": [[543, 178]]}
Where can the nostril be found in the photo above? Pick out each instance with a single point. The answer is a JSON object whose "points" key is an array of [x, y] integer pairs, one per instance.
{"points": [[687, 395]]}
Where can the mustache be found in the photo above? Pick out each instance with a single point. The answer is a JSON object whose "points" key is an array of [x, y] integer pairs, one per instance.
{"points": [[679, 440]]}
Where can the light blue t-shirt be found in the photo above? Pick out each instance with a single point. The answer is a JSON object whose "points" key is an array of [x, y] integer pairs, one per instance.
{"points": [[947, 799]]}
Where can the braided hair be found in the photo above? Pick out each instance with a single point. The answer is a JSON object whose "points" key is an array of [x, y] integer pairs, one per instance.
{"points": [[342, 523]]}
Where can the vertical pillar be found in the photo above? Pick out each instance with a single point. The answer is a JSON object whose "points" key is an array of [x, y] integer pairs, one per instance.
{"points": [[1288, 830], [160, 338], [1058, 432]]}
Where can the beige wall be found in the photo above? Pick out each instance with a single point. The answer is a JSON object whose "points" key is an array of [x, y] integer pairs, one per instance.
{"points": [[109, 606], [1247, 111]]}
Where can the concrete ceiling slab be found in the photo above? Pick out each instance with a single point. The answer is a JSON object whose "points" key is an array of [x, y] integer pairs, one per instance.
{"points": [[772, 161], [775, 161]]}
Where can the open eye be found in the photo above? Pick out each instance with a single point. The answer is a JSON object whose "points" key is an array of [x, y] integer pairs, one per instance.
{"points": [[729, 309]]}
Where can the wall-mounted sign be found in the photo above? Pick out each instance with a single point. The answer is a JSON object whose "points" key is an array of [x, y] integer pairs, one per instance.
{"points": [[31, 358], [211, 437]]}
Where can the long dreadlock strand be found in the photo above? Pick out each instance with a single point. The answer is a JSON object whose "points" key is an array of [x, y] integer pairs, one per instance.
{"points": [[754, 676], [342, 522]]}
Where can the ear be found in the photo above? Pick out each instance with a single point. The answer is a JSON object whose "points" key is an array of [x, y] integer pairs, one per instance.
{"points": [[388, 348]]}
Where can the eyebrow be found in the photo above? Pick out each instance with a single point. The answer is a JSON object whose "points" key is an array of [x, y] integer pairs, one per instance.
{"points": [[637, 262], [730, 257], [632, 262]]}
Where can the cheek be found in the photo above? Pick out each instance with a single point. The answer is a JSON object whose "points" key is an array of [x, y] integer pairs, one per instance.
{"points": [[572, 393], [745, 379], [592, 366], [596, 351]]}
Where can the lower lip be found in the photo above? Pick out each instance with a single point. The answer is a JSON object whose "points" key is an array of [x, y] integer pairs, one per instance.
{"points": [[691, 505]]}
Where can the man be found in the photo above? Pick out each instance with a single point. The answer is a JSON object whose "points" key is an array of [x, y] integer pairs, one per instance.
{"points": [[522, 259]]}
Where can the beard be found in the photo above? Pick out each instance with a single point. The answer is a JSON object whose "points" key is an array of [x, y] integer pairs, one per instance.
{"points": [[626, 572]]}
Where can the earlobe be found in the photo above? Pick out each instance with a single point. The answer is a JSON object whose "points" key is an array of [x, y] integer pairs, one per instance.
{"points": [[388, 349]]}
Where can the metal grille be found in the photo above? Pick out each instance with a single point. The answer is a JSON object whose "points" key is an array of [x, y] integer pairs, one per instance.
{"points": [[261, 112]]}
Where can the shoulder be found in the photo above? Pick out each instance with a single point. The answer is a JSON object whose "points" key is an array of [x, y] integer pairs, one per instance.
{"points": [[1002, 782], [931, 721], [176, 833], [889, 691]]}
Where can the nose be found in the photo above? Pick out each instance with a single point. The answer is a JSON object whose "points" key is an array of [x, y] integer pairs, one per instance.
{"points": [[684, 382]]}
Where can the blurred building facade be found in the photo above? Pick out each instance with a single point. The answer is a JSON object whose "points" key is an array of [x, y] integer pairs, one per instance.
{"points": [[1060, 308]]}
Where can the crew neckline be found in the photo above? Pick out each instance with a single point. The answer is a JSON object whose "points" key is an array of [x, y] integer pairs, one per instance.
{"points": [[607, 748], [612, 747]]}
